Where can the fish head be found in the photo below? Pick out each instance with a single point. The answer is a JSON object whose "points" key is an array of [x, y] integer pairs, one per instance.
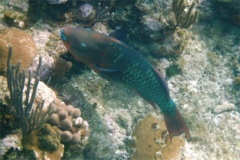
{"points": [[81, 43]]}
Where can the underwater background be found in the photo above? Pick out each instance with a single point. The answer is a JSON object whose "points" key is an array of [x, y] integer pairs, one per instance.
{"points": [[55, 107]]}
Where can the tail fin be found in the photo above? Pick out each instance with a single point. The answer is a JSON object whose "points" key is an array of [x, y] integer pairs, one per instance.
{"points": [[176, 124]]}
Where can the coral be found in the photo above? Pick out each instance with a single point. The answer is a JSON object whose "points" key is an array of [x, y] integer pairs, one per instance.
{"points": [[15, 14], [174, 43], [17, 154], [103, 15], [68, 120], [76, 137], [184, 19], [45, 143], [54, 119], [87, 14], [151, 141], [48, 138], [66, 124], [66, 136], [24, 48], [30, 119], [61, 66], [86, 10], [7, 120], [76, 113], [15, 19]]}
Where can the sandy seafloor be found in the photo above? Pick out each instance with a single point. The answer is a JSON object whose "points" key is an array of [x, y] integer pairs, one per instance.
{"points": [[203, 92]]}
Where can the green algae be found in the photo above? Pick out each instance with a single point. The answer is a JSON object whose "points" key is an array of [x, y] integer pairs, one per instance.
{"points": [[172, 70]]}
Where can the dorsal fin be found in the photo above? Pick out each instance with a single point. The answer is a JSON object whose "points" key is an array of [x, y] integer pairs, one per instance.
{"points": [[120, 34]]}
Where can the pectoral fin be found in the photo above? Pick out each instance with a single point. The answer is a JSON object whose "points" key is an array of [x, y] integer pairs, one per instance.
{"points": [[108, 73], [110, 70]]}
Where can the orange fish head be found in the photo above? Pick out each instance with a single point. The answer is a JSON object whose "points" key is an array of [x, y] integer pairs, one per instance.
{"points": [[78, 42]]}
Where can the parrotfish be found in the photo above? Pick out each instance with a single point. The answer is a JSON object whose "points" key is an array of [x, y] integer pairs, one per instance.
{"points": [[116, 61]]}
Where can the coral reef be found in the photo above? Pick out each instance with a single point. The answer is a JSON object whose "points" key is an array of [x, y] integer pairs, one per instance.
{"points": [[24, 48], [206, 90], [151, 141]]}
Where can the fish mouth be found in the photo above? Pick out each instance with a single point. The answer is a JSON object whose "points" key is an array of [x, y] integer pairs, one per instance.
{"points": [[62, 35]]}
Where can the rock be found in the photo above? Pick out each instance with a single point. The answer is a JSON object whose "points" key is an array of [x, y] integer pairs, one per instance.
{"points": [[56, 1], [23, 5], [23, 48], [10, 141], [86, 10]]}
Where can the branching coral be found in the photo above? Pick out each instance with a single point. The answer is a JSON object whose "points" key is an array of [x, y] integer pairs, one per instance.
{"points": [[30, 119], [103, 15], [184, 19]]}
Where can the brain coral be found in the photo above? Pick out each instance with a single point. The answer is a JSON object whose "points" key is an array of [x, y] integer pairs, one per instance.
{"points": [[24, 48], [151, 141]]}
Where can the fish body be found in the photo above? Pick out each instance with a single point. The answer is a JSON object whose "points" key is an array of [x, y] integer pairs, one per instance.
{"points": [[114, 60]]}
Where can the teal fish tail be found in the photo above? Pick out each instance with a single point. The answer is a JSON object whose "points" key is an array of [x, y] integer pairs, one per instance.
{"points": [[174, 121]]}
